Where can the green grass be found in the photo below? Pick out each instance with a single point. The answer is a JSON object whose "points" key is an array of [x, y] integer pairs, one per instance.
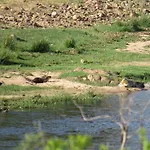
{"points": [[40, 46], [73, 74], [16, 89], [53, 102], [96, 44], [143, 73]]}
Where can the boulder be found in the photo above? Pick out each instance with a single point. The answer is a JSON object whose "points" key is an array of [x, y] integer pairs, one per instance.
{"points": [[94, 77]]}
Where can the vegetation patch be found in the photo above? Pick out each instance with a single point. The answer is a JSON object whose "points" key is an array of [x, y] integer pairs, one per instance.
{"points": [[77, 74], [39, 141], [52, 102], [133, 25], [136, 73], [70, 43], [40, 46], [10, 43], [92, 47], [7, 56], [16, 89]]}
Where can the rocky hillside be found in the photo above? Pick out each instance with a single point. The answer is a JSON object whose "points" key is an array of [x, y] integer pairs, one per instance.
{"points": [[70, 15]]}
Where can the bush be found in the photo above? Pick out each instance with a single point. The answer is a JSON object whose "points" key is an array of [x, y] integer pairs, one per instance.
{"points": [[5, 56], [134, 25], [38, 141], [144, 140], [10, 43], [130, 26], [70, 43], [40, 46], [144, 21]]}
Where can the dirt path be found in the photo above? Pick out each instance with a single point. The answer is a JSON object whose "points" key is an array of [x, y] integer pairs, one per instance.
{"points": [[139, 47], [134, 63], [142, 47]]}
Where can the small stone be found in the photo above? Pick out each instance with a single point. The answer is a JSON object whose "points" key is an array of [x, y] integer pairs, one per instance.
{"points": [[84, 78], [74, 17], [1, 16], [90, 78], [82, 61], [37, 24], [54, 13], [6, 8]]}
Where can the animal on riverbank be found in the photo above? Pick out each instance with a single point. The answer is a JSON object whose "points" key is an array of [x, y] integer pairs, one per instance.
{"points": [[131, 84], [38, 79]]}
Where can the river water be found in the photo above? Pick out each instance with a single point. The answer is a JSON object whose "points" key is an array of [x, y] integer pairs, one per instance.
{"points": [[66, 120]]}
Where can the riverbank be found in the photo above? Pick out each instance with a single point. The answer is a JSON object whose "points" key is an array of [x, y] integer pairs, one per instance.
{"points": [[46, 61]]}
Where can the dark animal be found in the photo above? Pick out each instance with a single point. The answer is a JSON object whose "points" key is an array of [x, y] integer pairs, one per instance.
{"points": [[131, 84], [39, 79]]}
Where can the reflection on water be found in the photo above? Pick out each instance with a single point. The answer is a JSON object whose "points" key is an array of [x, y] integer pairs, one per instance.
{"points": [[67, 120]]}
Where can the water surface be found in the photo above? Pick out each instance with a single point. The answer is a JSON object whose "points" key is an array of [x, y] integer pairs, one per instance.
{"points": [[65, 120]]}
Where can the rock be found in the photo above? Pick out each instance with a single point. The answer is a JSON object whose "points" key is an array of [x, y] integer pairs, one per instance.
{"points": [[53, 14], [38, 24], [104, 79], [1, 16], [6, 8], [88, 13], [94, 77], [90, 78], [74, 17], [84, 78], [147, 85], [83, 61]]}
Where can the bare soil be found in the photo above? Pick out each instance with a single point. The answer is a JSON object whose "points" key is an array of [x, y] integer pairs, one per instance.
{"points": [[142, 46], [55, 85]]}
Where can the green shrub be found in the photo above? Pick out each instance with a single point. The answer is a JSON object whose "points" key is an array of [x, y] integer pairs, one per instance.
{"points": [[5, 56], [37, 141], [10, 43], [103, 147], [144, 21], [133, 25], [144, 140], [40, 46], [70, 43], [130, 26]]}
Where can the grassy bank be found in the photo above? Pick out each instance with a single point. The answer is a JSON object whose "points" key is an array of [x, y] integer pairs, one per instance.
{"points": [[53, 102], [62, 49], [15, 89]]}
